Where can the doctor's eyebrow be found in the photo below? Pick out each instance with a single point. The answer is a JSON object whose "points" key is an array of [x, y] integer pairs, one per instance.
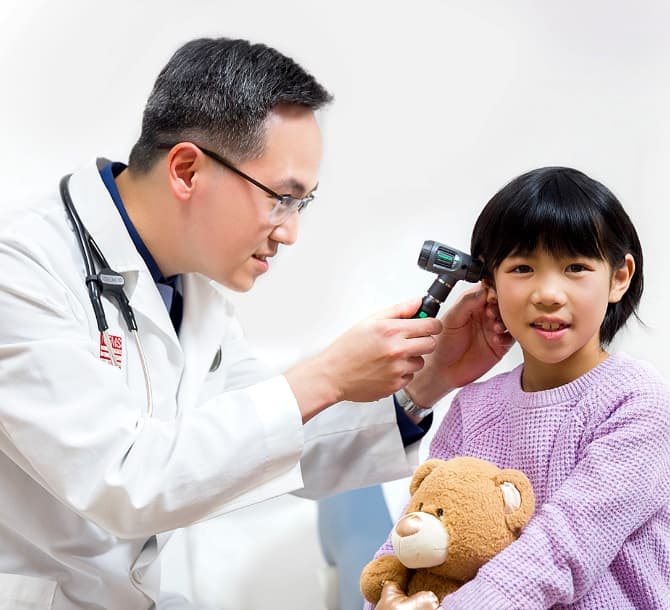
{"points": [[291, 186]]}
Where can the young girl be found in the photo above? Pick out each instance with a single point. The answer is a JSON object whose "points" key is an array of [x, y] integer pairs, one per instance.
{"points": [[590, 429]]}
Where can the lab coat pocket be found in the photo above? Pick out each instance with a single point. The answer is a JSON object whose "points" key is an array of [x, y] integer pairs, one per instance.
{"points": [[26, 592]]}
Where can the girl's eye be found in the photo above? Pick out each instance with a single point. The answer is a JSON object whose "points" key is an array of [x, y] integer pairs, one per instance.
{"points": [[575, 268], [521, 269]]}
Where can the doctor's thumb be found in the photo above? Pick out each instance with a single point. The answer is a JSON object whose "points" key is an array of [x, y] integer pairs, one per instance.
{"points": [[404, 310]]}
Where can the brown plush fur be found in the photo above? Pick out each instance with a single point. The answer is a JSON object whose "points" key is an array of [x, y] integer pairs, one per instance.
{"points": [[467, 490]]}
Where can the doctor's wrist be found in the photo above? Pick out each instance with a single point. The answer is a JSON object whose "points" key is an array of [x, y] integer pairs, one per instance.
{"points": [[312, 386], [413, 410], [424, 392]]}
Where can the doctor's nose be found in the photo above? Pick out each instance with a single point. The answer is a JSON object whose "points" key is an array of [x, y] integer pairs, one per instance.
{"points": [[287, 232]]}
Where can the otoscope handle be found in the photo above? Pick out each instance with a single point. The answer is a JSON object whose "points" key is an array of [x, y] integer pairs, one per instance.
{"points": [[429, 308], [437, 293]]}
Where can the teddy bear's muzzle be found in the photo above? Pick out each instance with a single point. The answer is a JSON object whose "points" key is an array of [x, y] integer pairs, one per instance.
{"points": [[420, 540]]}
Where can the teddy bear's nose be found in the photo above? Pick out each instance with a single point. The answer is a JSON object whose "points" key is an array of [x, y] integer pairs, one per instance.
{"points": [[420, 540], [408, 525]]}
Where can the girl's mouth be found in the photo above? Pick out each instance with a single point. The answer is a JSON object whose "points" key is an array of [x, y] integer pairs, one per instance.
{"points": [[550, 330], [550, 326]]}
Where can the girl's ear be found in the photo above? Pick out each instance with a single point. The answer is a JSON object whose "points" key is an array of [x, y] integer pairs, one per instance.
{"points": [[489, 286], [621, 279]]}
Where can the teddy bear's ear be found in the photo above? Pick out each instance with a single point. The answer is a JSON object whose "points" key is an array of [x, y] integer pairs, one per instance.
{"points": [[422, 472], [518, 497]]}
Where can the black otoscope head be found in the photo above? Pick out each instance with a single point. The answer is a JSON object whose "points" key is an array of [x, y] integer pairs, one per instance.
{"points": [[451, 265]]}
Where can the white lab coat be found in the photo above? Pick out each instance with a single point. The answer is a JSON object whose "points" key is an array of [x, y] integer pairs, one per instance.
{"points": [[91, 486]]}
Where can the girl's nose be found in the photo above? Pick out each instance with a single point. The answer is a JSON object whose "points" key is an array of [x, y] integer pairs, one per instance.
{"points": [[548, 292]]}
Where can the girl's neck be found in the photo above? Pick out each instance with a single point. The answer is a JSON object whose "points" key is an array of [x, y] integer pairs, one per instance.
{"points": [[538, 376]]}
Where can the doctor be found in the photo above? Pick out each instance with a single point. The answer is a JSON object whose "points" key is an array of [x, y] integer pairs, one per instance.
{"points": [[110, 440]]}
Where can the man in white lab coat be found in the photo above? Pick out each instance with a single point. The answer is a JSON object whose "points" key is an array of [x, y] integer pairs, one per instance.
{"points": [[112, 437]]}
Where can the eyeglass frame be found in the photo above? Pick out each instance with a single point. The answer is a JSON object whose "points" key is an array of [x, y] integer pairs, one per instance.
{"points": [[287, 204]]}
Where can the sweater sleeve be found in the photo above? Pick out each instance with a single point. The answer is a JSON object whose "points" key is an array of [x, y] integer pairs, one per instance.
{"points": [[621, 479]]}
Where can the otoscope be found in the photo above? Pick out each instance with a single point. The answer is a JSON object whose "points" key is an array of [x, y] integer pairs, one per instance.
{"points": [[451, 265]]}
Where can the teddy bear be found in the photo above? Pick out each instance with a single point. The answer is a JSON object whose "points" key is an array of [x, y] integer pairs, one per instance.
{"points": [[461, 513]]}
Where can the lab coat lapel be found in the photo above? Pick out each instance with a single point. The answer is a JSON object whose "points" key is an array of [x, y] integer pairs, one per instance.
{"points": [[202, 328], [146, 300]]}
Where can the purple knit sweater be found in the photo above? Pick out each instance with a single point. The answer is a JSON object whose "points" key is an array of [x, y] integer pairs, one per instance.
{"points": [[597, 452]]}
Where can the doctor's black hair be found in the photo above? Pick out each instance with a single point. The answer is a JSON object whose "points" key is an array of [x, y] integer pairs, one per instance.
{"points": [[564, 212], [218, 93]]}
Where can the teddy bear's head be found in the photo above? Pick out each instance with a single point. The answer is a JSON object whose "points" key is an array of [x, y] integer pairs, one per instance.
{"points": [[461, 513]]}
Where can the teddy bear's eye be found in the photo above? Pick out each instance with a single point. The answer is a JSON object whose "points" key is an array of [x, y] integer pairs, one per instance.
{"points": [[420, 505], [440, 512]]}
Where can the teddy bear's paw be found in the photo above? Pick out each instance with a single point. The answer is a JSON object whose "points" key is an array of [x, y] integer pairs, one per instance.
{"points": [[393, 598]]}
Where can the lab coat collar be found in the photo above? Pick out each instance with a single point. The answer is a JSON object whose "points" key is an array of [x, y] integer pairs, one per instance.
{"points": [[102, 220]]}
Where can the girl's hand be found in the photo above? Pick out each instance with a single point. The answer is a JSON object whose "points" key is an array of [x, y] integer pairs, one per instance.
{"points": [[472, 341]]}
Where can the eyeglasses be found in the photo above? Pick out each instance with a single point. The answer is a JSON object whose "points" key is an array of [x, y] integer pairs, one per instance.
{"points": [[286, 204]]}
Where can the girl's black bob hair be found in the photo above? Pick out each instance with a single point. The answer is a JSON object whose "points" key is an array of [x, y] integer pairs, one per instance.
{"points": [[564, 212]]}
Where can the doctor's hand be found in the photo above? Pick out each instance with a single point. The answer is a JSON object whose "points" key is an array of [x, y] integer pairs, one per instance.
{"points": [[394, 599], [474, 339], [371, 360]]}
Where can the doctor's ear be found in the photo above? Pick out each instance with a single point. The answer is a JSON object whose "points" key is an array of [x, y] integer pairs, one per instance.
{"points": [[183, 161]]}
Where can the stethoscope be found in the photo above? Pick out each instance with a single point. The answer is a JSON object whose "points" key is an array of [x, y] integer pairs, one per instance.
{"points": [[104, 281]]}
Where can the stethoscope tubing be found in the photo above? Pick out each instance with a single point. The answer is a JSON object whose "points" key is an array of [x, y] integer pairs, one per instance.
{"points": [[89, 249]]}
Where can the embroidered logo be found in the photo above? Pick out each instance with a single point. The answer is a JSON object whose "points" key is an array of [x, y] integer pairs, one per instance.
{"points": [[117, 347]]}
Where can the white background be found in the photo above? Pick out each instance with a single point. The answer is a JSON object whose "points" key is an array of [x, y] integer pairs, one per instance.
{"points": [[438, 104]]}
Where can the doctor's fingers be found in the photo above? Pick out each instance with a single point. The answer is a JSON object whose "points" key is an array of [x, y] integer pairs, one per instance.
{"points": [[419, 346], [412, 365], [414, 327]]}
